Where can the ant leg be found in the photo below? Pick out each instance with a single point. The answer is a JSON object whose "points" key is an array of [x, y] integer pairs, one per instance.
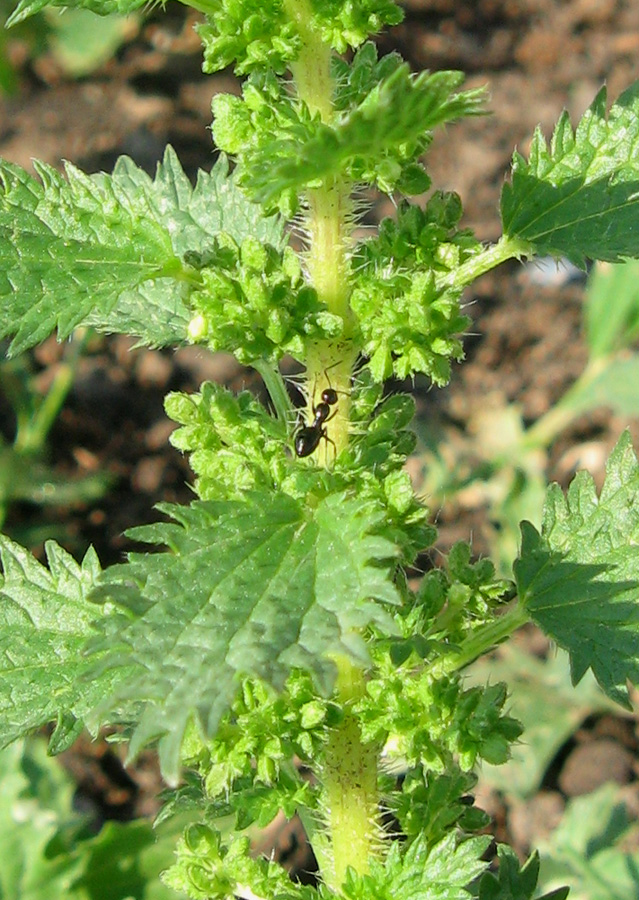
{"points": [[331, 415], [331, 441]]}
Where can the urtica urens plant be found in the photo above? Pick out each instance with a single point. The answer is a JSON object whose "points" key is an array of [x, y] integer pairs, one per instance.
{"points": [[277, 625]]}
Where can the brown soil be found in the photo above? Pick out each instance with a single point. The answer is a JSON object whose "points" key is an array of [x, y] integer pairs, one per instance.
{"points": [[537, 57]]}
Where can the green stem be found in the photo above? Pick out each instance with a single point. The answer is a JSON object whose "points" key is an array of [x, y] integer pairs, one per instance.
{"points": [[350, 793], [571, 405], [329, 222], [349, 770], [506, 248], [483, 640], [312, 69], [32, 432]]}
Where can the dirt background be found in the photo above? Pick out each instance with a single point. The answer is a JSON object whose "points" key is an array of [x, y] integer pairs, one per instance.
{"points": [[537, 57]]}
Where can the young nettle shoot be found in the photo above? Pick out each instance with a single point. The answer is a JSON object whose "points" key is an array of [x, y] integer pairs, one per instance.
{"points": [[273, 619]]}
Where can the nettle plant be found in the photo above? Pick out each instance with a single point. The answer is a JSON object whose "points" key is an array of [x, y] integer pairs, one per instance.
{"points": [[273, 623]]}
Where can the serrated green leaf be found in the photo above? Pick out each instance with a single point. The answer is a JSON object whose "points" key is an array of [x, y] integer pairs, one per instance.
{"points": [[155, 312], [579, 197], [247, 588], [45, 620], [512, 882], [114, 252], [400, 112], [69, 248], [26, 8], [193, 216], [579, 578], [441, 872]]}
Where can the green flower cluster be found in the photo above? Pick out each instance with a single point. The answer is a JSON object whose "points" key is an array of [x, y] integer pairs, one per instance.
{"points": [[345, 24], [247, 770], [257, 35], [435, 723], [451, 603], [207, 868], [237, 446], [409, 325], [428, 238], [462, 597], [431, 804], [252, 300], [254, 35], [409, 320], [355, 79]]}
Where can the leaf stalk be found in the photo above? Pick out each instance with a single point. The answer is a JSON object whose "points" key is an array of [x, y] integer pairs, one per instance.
{"points": [[494, 255], [484, 639]]}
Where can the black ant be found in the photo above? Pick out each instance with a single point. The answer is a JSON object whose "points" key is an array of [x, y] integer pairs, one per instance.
{"points": [[307, 437]]}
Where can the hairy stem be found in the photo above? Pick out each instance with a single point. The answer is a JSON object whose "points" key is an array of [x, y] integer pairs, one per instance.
{"points": [[329, 224], [34, 429], [349, 776], [312, 69], [492, 256], [349, 770], [483, 640]]}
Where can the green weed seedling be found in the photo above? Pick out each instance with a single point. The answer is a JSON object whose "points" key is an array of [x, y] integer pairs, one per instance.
{"points": [[277, 622], [25, 475], [79, 42]]}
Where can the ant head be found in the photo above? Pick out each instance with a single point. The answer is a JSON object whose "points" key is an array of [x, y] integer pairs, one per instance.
{"points": [[323, 391], [329, 396]]}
